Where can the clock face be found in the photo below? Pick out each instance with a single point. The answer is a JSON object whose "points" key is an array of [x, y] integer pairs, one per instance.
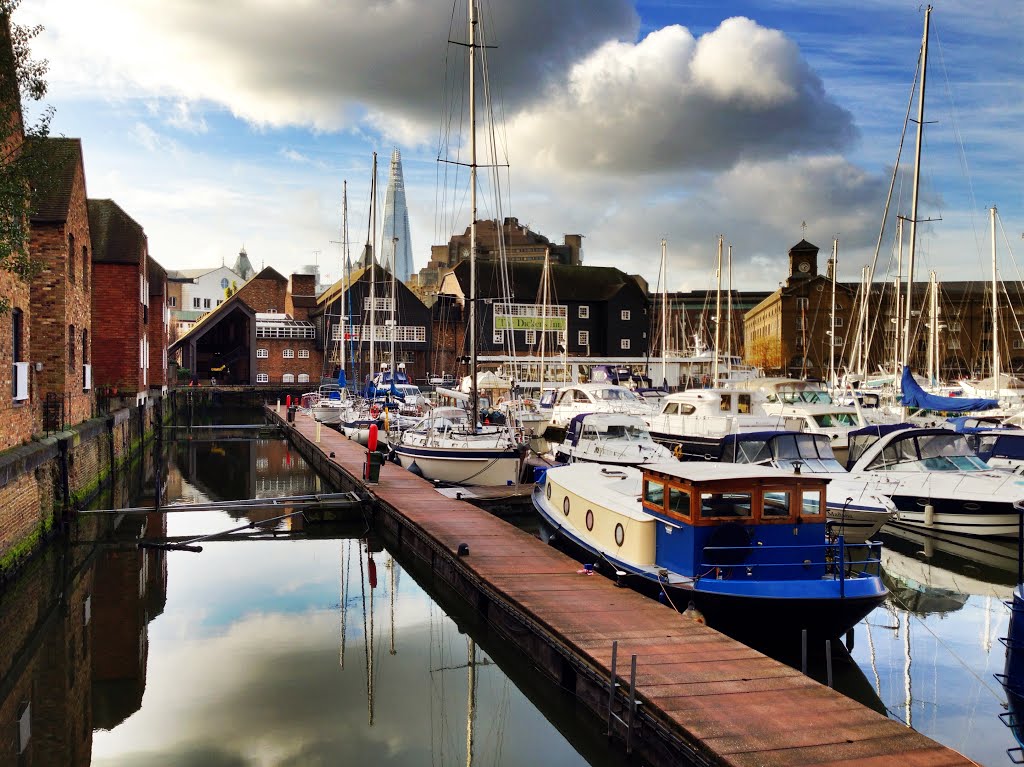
{"points": [[804, 266]]}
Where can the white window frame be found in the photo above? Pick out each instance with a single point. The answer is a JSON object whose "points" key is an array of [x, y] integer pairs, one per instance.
{"points": [[498, 336], [583, 337], [624, 343], [303, 377], [303, 354], [172, 301], [288, 378], [206, 303], [837, 341], [262, 354], [1018, 343], [262, 378], [624, 315], [584, 313], [839, 322], [20, 381], [288, 354], [197, 302], [531, 337]]}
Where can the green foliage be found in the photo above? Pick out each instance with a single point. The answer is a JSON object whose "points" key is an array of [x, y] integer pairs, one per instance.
{"points": [[20, 164]]}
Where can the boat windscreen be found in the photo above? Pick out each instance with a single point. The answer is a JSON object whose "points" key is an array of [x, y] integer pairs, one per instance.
{"points": [[1001, 446], [929, 452]]}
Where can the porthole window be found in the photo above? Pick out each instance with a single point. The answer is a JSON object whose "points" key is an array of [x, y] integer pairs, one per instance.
{"points": [[565, 505], [548, 491], [590, 519], [620, 534]]}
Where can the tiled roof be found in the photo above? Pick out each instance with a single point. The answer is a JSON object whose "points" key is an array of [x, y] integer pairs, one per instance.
{"points": [[116, 237], [568, 283], [54, 177]]}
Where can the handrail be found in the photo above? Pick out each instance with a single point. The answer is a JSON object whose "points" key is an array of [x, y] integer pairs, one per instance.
{"points": [[838, 564]]}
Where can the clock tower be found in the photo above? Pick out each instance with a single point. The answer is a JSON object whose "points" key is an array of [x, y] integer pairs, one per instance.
{"points": [[803, 261]]}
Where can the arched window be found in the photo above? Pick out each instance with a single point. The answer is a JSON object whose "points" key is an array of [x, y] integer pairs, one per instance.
{"points": [[71, 257]]}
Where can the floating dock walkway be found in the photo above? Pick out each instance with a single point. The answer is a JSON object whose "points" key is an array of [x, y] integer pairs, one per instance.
{"points": [[697, 696]]}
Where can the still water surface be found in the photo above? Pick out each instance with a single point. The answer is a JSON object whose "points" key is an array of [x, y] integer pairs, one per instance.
{"points": [[317, 647]]}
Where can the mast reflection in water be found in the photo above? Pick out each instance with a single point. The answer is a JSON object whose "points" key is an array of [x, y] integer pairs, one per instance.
{"points": [[281, 648], [932, 651]]}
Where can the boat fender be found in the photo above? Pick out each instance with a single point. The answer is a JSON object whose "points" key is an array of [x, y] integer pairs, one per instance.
{"points": [[692, 613], [929, 515]]}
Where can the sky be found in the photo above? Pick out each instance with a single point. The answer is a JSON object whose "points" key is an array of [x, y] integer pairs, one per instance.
{"points": [[235, 124]]}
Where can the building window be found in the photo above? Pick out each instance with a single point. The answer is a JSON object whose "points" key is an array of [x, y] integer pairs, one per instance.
{"points": [[71, 257], [624, 343], [206, 303], [953, 343], [624, 314], [498, 336], [197, 303], [303, 377], [303, 354], [839, 322], [288, 354], [262, 354], [85, 347], [838, 341], [531, 337], [262, 378], [219, 302], [801, 303], [288, 378], [583, 338], [17, 331], [224, 283], [584, 313], [954, 327], [172, 301], [71, 347], [1018, 343], [85, 267]]}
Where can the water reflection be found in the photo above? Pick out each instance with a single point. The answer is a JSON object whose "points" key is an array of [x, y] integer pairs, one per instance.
{"points": [[313, 648], [932, 650]]}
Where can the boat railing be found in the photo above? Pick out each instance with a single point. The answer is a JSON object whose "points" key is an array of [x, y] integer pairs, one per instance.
{"points": [[839, 559]]}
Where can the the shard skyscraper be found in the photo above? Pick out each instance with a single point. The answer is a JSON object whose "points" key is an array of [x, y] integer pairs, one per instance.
{"points": [[396, 245]]}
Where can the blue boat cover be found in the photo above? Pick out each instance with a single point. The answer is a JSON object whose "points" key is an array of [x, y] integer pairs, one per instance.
{"points": [[915, 396]]}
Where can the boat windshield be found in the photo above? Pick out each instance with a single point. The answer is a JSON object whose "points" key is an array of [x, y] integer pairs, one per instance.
{"points": [[928, 452], [804, 396], [615, 395], [839, 418]]}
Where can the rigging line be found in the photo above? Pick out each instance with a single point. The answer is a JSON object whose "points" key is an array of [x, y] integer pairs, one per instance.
{"points": [[961, 152], [895, 170]]}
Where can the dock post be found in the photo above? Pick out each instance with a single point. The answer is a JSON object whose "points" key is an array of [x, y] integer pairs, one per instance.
{"points": [[612, 684], [318, 432], [803, 652], [828, 661], [632, 707]]}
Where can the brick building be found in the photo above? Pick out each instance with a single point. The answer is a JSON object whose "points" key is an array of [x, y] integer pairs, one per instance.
{"points": [[120, 300], [515, 241], [60, 245], [16, 409], [158, 326], [260, 335]]}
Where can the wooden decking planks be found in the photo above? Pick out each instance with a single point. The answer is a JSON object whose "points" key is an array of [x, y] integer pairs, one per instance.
{"points": [[739, 706]]}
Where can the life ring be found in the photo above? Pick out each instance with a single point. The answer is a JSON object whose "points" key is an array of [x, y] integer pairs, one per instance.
{"points": [[374, 411]]}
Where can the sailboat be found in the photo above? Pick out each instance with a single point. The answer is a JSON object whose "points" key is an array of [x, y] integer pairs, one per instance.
{"points": [[449, 445]]}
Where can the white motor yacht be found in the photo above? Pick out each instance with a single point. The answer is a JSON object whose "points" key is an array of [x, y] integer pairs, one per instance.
{"points": [[610, 438]]}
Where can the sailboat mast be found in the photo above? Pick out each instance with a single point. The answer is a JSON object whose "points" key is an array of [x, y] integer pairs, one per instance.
{"points": [[728, 318], [664, 310], [718, 312], [917, 182], [345, 267], [832, 317], [933, 329], [474, 404], [897, 352], [995, 303], [470, 697], [373, 270]]}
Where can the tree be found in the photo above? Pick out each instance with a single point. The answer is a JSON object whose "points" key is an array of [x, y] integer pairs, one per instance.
{"points": [[765, 353], [231, 289], [22, 79]]}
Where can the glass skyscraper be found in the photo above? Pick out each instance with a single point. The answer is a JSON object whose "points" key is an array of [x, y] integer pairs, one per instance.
{"points": [[396, 245]]}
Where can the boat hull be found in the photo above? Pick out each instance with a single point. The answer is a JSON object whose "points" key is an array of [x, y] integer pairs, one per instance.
{"points": [[463, 466]]}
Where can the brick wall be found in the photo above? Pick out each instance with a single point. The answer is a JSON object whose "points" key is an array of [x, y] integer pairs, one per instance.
{"points": [[115, 338], [265, 294], [60, 301], [19, 420], [158, 334], [275, 365]]}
